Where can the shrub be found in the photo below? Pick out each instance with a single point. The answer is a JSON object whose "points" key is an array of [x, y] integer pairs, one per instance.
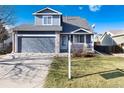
{"points": [[89, 54], [7, 49], [77, 53], [80, 50], [77, 50]]}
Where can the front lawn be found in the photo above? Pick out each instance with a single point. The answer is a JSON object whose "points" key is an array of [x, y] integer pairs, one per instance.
{"points": [[100, 71]]}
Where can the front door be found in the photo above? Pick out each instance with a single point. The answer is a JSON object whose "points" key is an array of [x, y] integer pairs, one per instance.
{"points": [[64, 41]]}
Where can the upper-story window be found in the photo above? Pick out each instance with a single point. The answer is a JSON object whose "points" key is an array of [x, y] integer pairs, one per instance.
{"points": [[47, 20]]}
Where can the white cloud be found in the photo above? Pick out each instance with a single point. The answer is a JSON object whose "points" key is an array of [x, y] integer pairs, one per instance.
{"points": [[80, 7], [94, 8]]}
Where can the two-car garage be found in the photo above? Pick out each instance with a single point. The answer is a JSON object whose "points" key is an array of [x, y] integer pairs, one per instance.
{"points": [[35, 43], [36, 38]]}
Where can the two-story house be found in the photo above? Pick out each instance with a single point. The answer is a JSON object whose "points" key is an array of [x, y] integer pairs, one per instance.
{"points": [[50, 33]]}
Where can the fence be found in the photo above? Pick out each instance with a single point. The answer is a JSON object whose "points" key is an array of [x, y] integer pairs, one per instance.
{"points": [[109, 49]]}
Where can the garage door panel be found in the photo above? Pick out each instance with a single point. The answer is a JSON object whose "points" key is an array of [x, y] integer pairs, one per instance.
{"points": [[37, 44]]}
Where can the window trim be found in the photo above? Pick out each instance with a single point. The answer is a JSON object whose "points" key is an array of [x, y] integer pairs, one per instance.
{"points": [[78, 39], [47, 17]]}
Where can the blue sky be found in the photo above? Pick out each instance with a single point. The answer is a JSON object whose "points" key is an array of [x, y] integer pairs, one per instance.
{"points": [[105, 18]]}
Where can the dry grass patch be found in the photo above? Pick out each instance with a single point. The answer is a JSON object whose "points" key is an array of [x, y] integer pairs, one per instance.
{"points": [[99, 71]]}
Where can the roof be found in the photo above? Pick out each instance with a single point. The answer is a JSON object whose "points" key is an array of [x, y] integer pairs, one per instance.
{"points": [[113, 33], [72, 23], [116, 32], [69, 24], [47, 10], [30, 27]]}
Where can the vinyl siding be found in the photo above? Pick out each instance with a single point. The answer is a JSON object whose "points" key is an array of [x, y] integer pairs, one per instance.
{"points": [[56, 20], [107, 41]]}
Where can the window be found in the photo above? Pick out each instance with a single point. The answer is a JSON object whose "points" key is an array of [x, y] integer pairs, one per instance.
{"points": [[47, 20], [63, 40], [79, 38]]}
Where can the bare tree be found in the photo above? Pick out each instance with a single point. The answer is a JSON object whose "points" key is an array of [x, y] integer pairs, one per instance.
{"points": [[7, 15], [3, 34]]}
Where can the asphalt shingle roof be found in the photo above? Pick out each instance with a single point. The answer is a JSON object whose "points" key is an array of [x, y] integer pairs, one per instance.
{"points": [[117, 32], [69, 24], [30, 27]]}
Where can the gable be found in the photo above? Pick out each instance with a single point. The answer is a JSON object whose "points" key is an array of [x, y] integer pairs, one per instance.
{"points": [[47, 11], [109, 39], [81, 31], [105, 34]]}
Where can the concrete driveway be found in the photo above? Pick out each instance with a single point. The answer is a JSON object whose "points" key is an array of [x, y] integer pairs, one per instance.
{"points": [[24, 70]]}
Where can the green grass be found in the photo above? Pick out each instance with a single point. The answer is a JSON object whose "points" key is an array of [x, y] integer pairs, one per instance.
{"points": [[100, 71]]}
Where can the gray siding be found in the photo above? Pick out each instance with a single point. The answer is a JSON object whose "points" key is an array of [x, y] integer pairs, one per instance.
{"points": [[56, 20], [36, 44], [107, 41], [38, 20]]}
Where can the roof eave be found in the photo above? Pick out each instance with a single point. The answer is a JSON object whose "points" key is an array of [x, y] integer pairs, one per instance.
{"points": [[36, 14], [57, 12], [88, 31]]}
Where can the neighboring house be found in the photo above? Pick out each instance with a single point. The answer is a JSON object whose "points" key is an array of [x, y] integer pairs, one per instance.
{"points": [[114, 39], [50, 33]]}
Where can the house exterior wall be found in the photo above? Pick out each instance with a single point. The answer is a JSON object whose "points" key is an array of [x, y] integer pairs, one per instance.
{"points": [[107, 41], [55, 21]]}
